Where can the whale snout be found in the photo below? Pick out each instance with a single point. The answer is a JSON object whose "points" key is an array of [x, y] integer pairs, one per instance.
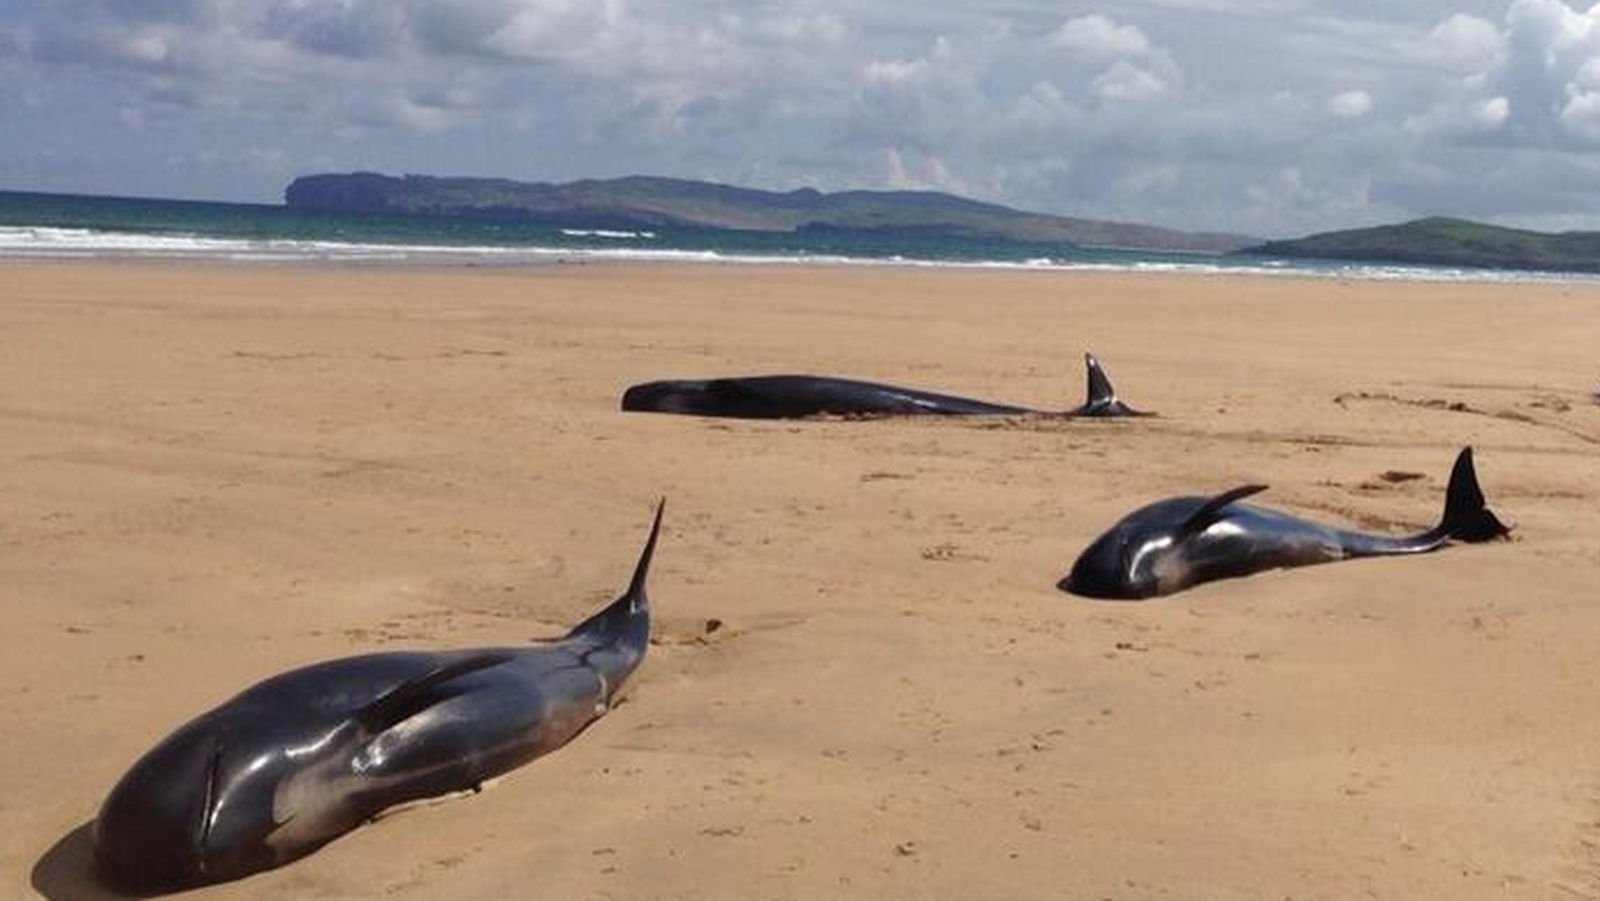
{"points": [[1089, 582], [149, 835], [665, 397], [185, 815], [735, 398], [1102, 572], [644, 398]]}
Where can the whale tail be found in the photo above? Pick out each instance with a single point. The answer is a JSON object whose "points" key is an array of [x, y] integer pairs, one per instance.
{"points": [[1101, 398], [1467, 516], [615, 639]]}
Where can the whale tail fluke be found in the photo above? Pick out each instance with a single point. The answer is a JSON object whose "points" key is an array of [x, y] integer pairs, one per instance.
{"points": [[641, 570], [1101, 399], [626, 620], [1467, 516]]}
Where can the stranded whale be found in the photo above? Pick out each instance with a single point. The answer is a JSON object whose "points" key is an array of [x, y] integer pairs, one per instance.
{"points": [[299, 759], [1182, 541], [799, 396]]}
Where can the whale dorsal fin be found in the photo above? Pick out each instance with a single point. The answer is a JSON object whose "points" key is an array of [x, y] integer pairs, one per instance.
{"points": [[406, 699], [1211, 510], [1101, 399], [1100, 392]]}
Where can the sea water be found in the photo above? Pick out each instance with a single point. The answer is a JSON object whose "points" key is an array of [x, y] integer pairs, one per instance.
{"points": [[34, 225]]}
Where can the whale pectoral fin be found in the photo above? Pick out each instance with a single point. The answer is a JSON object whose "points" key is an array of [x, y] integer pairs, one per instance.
{"points": [[1211, 510], [406, 699]]}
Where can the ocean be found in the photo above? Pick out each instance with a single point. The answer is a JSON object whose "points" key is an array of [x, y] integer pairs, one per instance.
{"points": [[66, 226]]}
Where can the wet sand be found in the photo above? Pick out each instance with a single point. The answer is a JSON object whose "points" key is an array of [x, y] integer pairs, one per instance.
{"points": [[214, 473]]}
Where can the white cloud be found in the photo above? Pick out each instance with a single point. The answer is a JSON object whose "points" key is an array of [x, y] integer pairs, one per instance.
{"points": [[1535, 82], [1461, 43], [1292, 188], [1350, 104], [1490, 112], [1581, 116], [1039, 110], [930, 174], [1125, 82], [1096, 34], [556, 29], [396, 109], [819, 30], [895, 71], [1472, 119]]}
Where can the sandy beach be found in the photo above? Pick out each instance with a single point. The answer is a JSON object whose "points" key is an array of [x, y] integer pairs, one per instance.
{"points": [[213, 473]]}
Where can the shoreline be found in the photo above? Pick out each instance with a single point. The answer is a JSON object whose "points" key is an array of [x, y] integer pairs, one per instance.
{"points": [[448, 259]]}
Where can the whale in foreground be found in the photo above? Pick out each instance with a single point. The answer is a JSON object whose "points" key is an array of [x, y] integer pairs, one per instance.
{"points": [[799, 396], [297, 760], [1173, 544]]}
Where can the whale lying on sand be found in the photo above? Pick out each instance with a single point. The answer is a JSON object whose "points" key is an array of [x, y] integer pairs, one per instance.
{"points": [[301, 758], [799, 396], [1173, 544]]}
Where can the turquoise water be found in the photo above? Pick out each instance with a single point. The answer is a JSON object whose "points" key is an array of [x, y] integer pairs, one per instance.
{"points": [[36, 225]]}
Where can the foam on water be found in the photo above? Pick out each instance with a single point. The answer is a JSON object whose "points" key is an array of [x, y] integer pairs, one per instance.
{"points": [[607, 233]]}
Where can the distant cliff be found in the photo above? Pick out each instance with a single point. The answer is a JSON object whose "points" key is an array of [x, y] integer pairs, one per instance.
{"points": [[1440, 241], [648, 202]]}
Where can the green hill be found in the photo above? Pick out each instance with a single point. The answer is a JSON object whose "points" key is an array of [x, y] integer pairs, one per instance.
{"points": [[1441, 241], [649, 202]]}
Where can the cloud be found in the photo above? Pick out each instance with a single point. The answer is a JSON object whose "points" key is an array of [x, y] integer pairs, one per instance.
{"points": [[558, 29], [1140, 111], [895, 71], [1096, 34], [1533, 82], [916, 103], [1462, 43], [352, 28], [1475, 120], [929, 174], [1125, 82], [1350, 104]]}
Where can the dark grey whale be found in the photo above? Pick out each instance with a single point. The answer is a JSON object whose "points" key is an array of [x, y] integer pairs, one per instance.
{"points": [[301, 758], [1173, 544], [799, 396]]}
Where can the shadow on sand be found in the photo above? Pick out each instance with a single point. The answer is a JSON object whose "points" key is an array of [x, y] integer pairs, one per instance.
{"points": [[66, 872]]}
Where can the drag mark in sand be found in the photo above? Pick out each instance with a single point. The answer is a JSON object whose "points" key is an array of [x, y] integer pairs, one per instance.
{"points": [[1543, 402]]}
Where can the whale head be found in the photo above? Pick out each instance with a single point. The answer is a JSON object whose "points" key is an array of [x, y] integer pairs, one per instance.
{"points": [[738, 398], [1157, 549], [214, 801], [1126, 563]]}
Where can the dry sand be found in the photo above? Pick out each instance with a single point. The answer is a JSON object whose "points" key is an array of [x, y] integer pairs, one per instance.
{"points": [[214, 473]]}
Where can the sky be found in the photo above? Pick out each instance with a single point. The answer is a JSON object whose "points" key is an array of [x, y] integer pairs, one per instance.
{"points": [[1271, 118]]}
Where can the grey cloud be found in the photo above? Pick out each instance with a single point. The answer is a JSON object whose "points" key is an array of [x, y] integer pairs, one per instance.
{"points": [[359, 30], [457, 28]]}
